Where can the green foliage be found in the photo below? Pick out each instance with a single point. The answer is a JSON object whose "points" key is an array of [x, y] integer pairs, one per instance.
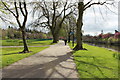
{"points": [[96, 62], [14, 33], [11, 55], [63, 32], [31, 42], [2, 7]]}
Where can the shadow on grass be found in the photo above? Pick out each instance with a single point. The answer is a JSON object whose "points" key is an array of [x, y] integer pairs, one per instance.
{"points": [[11, 53], [37, 43], [16, 53], [95, 66]]}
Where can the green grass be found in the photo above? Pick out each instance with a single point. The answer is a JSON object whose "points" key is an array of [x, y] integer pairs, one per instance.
{"points": [[11, 55], [96, 62], [30, 42]]}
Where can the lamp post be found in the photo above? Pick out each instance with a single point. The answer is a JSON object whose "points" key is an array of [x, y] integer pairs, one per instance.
{"points": [[72, 33], [73, 38], [69, 34]]}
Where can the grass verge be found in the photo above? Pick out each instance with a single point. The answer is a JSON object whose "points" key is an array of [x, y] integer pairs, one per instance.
{"points": [[96, 62], [30, 42], [11, 55]]}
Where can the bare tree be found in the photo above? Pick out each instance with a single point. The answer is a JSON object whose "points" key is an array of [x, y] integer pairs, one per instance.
{"points": [[81, 8], [71, 26], [20, 6], [51, 11]]}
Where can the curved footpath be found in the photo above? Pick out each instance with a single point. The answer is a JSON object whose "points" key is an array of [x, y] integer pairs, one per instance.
{"points": [[53, 62]]}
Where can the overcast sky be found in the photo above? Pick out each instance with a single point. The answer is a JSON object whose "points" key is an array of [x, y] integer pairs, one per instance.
{"points": [[96, 18], [99, 18]]}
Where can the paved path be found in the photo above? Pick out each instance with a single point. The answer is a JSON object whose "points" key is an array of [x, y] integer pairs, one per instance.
{"points": [[53, 62]]}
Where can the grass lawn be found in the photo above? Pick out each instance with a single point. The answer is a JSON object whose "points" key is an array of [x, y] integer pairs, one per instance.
{"points": [[96, 62], [11, 55], [30, 42]]}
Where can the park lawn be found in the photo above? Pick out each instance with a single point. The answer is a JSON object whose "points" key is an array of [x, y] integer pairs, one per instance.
{"points": [[11, 55], [30, 42], [96, 62]]}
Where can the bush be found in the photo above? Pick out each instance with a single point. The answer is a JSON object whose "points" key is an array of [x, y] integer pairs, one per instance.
{"points": [[106, 35], [117, 35]]}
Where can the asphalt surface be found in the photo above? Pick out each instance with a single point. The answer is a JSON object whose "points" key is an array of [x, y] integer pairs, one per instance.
{"points": [[53, 62]]}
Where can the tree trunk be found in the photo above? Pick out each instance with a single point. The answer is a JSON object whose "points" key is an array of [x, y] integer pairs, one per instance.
{"points": [[79, 24], [69, 37], [24, 42], [79, 45], [55, 38], [55, 34]]}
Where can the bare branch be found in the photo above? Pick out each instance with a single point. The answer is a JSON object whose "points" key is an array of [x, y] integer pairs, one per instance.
{"points": [[26, 13], [101, 14], [17, 17], [8, 8], [25, 7], [110, 9], [54, 14], [87, 3], [66, 9], [5, 20], [21, 9], [98, 3], [94, 13], [17, 14]]}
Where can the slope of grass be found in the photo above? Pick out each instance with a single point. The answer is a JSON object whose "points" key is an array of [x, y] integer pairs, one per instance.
{"points": [[11, 55], [96, 62], [30, 42]]}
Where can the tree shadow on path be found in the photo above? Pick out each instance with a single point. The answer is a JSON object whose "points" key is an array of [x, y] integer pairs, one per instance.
{"points": [[46, 70]]}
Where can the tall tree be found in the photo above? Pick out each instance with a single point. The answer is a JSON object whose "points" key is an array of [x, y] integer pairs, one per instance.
{"points": [[70, 22], [72, 26], [51, 11], [81, 8], [20, 6]]}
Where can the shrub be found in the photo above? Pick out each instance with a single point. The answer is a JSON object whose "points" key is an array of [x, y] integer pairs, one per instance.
{"points": [[107, 35], [117, 35], [100, 35]]}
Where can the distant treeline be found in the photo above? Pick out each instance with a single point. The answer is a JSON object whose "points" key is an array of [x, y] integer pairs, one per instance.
{"points": [[14, 33], [113, 39]]}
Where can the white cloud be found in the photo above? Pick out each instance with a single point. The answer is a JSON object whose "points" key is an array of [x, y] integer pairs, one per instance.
{"points": [[94, 21]]}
